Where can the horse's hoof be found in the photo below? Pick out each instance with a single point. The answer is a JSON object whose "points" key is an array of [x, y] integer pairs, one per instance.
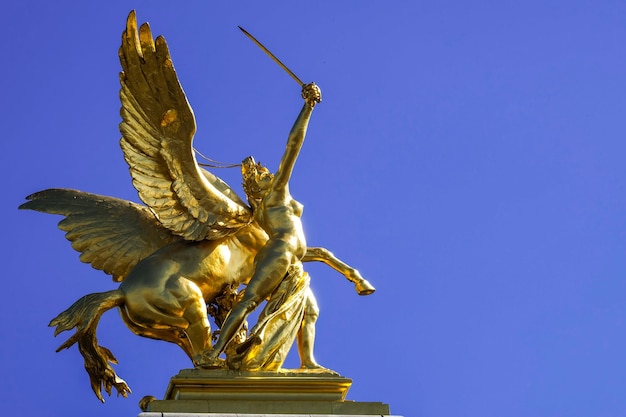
{"points": [[215, 364], [206, 362]]}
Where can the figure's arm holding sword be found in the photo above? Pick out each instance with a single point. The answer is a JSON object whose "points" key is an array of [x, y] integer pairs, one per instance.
{"points": [[311, 95]]}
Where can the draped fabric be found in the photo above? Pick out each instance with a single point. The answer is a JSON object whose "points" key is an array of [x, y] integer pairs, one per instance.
{"points": [[272, 337]]}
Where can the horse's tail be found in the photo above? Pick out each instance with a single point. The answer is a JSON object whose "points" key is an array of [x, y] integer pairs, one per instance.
{"points": [[84, 315]]}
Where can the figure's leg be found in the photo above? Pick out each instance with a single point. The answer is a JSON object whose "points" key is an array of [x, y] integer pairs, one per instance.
{"points": [[306, 334], [271, 265]]}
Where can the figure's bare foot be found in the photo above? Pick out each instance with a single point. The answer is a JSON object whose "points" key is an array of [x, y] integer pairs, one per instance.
{"points": [[315, 367]]}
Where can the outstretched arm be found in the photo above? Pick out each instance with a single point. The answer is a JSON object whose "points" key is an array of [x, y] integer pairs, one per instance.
{"points": [[362, 286], [312, 95]]}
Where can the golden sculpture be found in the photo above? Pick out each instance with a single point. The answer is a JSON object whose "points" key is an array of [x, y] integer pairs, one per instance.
{"points": [[194, 239]]}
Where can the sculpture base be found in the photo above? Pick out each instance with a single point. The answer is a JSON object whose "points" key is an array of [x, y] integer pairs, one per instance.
{"points": [[284, 392]]}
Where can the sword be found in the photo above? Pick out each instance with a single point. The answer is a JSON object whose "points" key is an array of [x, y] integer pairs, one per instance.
{"points": [[271, 55]]}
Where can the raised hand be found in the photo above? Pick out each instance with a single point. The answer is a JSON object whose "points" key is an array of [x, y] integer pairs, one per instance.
{"points": [[312, 94]]}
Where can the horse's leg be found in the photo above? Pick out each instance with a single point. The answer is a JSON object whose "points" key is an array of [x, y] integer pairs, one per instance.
{"points": [[199, 330], [362, 286], [175, 312], [194, 311], [172, 334]]}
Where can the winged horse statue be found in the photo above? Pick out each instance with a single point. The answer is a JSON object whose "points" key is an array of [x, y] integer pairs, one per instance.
{"points": [[193, 239]]}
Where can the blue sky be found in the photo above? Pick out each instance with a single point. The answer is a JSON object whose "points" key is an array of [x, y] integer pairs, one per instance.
{"points": [[467, 158]]}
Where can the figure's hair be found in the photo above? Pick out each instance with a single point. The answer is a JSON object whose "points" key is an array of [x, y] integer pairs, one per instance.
{"points": [[249, 171]]}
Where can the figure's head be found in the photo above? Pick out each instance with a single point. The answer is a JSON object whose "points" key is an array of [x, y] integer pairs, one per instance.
{"points": [[257, 179]]}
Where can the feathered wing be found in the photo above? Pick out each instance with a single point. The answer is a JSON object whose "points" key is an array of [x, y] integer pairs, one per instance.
{"points": [[157, 132], [112, 235]]}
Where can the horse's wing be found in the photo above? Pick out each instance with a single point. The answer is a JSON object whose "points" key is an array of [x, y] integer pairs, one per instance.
{"points": [[112, 235], [157, 132]]}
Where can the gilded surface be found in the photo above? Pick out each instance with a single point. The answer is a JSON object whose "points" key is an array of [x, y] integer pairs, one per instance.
{"points": [[194, 240]]}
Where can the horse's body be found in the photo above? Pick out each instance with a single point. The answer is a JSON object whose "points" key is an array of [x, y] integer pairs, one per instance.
{"points": [[166, 294]]}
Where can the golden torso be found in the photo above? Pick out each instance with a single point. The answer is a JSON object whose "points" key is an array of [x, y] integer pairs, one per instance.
{"points": [[280, 217]]}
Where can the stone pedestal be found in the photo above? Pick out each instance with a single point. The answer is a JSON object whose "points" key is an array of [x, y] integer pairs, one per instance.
{"points": [[200, 392]]}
